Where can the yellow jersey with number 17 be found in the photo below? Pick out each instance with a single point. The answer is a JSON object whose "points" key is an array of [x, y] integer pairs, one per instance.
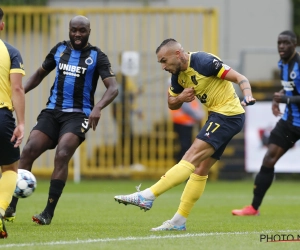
{"points": [[10, 62], [205, 73]]}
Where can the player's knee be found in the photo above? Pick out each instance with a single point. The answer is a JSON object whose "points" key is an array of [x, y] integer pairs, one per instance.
{"points": [[62, 156], [28, 153]]}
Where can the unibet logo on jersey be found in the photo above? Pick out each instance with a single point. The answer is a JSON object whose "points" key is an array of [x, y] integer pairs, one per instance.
{"points": [[71, 70]]}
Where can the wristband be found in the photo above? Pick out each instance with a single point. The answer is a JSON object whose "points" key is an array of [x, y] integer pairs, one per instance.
{"points": [[248, 103]]}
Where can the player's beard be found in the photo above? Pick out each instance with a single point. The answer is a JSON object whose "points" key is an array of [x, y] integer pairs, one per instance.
{"points": [[84, 41]]}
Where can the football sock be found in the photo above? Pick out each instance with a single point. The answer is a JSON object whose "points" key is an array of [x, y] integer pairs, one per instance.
{"points": [[178, 220], [14, 202], [55, 191], [176, 175], [191, 193], [7, 187], [263, 181], [147, 193]]}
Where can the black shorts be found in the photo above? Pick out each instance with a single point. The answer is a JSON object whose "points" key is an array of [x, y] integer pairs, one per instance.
{"points": [[219, 130], [55, 123], [8, 153], [284, 135]]}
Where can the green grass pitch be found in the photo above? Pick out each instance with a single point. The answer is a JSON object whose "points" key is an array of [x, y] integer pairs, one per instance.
{"points": [[87, 217]]}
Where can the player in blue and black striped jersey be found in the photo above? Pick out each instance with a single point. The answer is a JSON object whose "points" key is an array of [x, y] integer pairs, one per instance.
{"points": [[70, 110], [287, 130], [204, 76]]}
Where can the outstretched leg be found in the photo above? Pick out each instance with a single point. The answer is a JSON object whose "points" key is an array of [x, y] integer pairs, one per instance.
{"points": [[179, 173], [66, 147]]}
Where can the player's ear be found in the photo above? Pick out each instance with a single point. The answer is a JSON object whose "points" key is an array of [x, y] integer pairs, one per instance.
{"points": [[1, 25]]}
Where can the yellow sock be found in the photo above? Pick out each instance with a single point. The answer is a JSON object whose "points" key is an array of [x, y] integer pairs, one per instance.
{"points": [[7, 188], [176, 175], [191, 193]]}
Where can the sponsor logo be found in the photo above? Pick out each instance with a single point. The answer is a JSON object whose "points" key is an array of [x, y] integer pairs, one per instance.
{"points": [[22, 66], [111, 72], [288, 85], [207, 134], [72, 70], [216, 63]]}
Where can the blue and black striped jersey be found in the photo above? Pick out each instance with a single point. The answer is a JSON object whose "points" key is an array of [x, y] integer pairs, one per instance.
{"points": [[290, 80], [77, 74]]}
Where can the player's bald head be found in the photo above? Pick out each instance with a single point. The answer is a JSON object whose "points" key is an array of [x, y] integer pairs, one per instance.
{"points": [[80, 20], [171, 44]]}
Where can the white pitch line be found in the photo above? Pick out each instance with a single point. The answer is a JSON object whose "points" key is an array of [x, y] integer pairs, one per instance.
{"points": [[151, 237]]}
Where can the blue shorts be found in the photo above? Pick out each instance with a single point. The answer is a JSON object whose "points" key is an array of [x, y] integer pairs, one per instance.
{"points": [[219, 130], [8, 153], [55, 123]]}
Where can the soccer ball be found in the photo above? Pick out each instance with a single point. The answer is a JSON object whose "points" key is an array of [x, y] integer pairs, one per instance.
{"points": [[26, 184]]}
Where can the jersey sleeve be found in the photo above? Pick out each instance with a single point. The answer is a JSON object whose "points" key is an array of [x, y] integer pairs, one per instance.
{"points": [[175, 89], [210, 65], [16, 60], [103, 66], [49, 64]]}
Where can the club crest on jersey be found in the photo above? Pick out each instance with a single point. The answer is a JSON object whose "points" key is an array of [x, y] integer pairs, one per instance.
{"points": [[89, 61], [193, 78], [293, 75]]}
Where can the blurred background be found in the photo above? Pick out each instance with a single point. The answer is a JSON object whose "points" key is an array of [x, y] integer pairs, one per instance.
{"points": [[135, 138]]}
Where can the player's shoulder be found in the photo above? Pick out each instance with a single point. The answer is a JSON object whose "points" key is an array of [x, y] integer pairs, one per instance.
{"points": [[201, 58], [60, 44], [94, 48], [297, 58], [203, 62], [10, 48]]}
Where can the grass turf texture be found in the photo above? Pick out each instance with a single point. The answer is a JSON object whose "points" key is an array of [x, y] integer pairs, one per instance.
{"points": [[87, 217]]}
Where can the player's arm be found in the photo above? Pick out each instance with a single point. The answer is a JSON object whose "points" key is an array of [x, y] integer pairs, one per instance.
{"points": [[178, 95], [275, 105], [280, 97], [244, 85], [18, 100], [108, 96], [110, 93], [35, 79], [175, 102]]}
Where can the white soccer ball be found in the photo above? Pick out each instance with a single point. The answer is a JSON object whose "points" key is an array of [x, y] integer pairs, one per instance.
{"points": [[26, 184]]}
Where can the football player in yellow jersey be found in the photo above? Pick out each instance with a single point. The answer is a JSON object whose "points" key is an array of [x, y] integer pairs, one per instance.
{"points": [[204, 76], [12, 98]]}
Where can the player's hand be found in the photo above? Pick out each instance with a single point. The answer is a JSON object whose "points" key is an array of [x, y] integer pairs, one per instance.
{"points": [[248, 100], [94, 118], [18, 135], [187, 95], [279, 97], [276, 109]]}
